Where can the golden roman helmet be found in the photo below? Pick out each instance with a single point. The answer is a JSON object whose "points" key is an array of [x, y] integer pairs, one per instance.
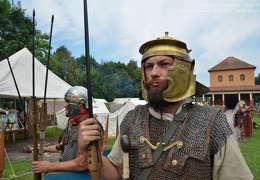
{"points": [[182, 81]]}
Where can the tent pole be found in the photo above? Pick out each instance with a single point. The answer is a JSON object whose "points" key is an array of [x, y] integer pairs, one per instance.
{"points": [[24, 119], [54, 117], [117, 127], [105, 135], [20, 98], [2, 146]]}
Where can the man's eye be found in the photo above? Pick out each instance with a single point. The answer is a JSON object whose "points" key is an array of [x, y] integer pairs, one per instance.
{"points": [[166, 64], [148, 67]]}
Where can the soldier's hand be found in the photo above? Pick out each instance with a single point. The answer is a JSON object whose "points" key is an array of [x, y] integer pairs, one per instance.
{"points": [[41, 166], [89, 131]]}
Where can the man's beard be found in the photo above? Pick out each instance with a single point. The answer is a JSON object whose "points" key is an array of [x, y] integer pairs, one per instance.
{"points": [[154, 96]]}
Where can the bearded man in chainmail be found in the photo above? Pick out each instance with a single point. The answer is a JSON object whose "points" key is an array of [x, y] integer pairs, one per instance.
{"points": [[170, 137], [72, 160]]}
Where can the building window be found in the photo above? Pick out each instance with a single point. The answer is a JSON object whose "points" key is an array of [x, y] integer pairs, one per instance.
{"points": [[219, 78], [230, 77], [242, 77]]}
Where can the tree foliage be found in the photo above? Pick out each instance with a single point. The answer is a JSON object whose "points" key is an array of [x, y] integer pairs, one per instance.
{"points": [[15, 28], [257, 79], [111, 80], [65, 66], [108, 79], [16, 32]]}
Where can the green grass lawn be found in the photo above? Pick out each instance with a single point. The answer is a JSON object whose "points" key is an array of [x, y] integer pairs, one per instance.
{"points": [[22, 170], [249, 147], [19, 170]]}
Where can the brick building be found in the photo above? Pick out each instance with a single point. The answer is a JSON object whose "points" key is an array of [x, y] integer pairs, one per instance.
{"points": [[232, 80]]}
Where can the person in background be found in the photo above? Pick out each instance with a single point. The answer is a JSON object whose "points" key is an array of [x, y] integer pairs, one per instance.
{"points": [[76, 106], [239, 118], [170, 137]]}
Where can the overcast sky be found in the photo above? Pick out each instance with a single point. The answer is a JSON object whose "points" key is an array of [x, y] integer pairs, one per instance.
{"points": [[213, 29]]}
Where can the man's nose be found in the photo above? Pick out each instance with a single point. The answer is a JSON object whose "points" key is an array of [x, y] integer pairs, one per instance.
{"points": [[155, 71], [65, 104]]}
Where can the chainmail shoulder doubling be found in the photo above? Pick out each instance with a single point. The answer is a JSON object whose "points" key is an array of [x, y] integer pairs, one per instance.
{"points": [[71, 142], [201, 134]]}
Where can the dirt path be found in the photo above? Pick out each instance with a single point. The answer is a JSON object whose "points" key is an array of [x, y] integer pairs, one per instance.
{"points": [[15, 150]]}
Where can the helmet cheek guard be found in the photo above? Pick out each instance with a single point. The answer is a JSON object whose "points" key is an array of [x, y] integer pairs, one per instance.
{"points": [[73, 109], [181, 81]]}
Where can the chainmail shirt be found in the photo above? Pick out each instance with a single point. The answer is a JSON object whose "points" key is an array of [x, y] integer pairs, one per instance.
{"points": [[71, 142], [202, 137]]}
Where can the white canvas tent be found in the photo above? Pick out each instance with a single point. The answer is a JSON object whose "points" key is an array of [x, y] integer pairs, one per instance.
{"points": [[101, 110], [53, 105], [21, 63], [62, 120], [123, 100], [120, 102], [120, 114]]}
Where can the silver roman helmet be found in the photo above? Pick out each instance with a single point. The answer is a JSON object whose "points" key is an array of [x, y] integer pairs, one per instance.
{"points": [[75, 95]]}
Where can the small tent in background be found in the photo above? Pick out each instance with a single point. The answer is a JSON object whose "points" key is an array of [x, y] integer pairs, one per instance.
{"points": [[120, 102], [100, 108], [120, 114], [62, 120]]}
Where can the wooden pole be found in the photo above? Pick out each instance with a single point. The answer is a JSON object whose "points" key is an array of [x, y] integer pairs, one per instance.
{"points": [[54, 117], [34, 121], [43, 125], [2, 146], [43, 118], [33, 107], [105, 135], [117, 126]]}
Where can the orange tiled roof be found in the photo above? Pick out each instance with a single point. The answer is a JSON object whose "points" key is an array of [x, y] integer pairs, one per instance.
{"points": [[231, 63], [235, 88]]}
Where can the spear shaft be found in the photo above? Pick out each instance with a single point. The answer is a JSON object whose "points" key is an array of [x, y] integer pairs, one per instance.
{"points": [[48, 60], [94, 158], [88, 60], [33, 105], [33, 79], [43, 120]]}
